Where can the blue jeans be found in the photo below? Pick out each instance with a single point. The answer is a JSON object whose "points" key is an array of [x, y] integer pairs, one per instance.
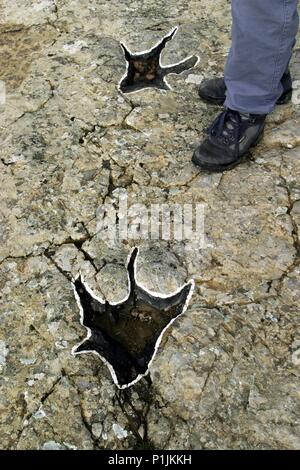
{"points": [[263, 36]]}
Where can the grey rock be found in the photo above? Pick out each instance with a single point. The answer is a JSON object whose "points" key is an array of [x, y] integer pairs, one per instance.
{"points": [[226, 375]]}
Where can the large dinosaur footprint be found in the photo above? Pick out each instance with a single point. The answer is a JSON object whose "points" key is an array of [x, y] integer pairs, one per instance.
{"points": [[126, 335], [144, 69]]}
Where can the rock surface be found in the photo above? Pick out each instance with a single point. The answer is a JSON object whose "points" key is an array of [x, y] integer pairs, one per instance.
{"points": [[227, 374]]}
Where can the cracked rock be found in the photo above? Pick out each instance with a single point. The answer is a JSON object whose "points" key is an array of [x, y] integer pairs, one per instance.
{"points": [[226, 375]]}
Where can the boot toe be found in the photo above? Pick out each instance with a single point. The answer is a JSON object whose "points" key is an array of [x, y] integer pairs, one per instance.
{"points": [[213, 90], [210, 156]]}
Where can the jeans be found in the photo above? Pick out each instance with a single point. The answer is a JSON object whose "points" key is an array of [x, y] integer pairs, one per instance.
{"points": [[263, 36]]}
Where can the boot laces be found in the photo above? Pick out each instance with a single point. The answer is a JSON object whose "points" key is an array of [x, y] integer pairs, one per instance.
{"points": [[228, 127]]}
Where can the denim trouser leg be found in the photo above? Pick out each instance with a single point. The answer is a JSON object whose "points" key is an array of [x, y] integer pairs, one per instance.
{"points": [[263, 36]]}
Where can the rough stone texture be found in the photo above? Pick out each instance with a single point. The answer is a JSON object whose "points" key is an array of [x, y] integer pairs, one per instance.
{"points": [[228, 372]]}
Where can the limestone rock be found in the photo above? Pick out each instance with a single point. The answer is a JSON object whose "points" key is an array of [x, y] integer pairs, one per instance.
{"points": [[226, 375]]}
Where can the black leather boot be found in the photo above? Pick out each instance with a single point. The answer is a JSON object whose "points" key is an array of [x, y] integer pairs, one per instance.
{"points": [[229, 138], [214, 90]]}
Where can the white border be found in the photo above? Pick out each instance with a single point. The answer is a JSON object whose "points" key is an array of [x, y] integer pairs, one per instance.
{"points": [[160, 64], [191, 282]]}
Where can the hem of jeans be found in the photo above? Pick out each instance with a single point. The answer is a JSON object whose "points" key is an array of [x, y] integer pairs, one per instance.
{"points": [[241, 109]]}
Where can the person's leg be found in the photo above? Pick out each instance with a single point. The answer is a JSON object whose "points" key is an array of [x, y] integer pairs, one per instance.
{"points": [[263, 35]]}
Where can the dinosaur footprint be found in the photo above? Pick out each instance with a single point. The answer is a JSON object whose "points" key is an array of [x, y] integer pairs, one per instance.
{"points": [[144, 69], [126, 335]]}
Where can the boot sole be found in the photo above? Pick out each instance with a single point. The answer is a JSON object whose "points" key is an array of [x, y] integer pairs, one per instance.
{"points": [[221, 168], [285, 98], [211, 100]]}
